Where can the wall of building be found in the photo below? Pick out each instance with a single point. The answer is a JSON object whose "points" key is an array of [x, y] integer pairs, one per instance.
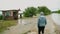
{"points": [[11, 16]]}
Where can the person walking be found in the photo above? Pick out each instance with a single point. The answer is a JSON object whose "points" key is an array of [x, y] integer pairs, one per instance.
{"points": [[41, 23]]}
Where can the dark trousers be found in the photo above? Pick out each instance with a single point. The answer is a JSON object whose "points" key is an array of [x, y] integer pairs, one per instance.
{"points": [[41, 29]]}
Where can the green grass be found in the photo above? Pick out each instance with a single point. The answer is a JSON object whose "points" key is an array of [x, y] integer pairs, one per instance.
{"points": [[4, 24]]}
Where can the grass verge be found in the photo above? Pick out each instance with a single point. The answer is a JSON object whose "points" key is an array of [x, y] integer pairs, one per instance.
{"points": [[4, 24]]}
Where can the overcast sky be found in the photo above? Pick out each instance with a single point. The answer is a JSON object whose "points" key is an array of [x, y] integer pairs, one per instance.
{"points": [[22, 4]]}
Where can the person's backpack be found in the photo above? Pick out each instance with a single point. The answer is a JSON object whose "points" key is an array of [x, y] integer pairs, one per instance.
{"points": [[42, 21]]}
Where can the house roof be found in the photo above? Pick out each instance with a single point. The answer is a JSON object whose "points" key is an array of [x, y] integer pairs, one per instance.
{"points": [[10, 10]]}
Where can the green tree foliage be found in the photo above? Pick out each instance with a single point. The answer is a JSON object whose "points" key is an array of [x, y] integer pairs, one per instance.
{"points": [[1, 17], [58, 11], [54, 11], [44, 9], [30, 11]]}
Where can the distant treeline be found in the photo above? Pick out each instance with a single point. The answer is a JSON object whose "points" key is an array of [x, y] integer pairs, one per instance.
{"points": [[31, 11], [58, 11]]}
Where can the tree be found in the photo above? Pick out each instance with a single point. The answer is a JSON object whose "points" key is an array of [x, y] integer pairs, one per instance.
{"points": [[58, 11], [44, 9], [30, 11]]}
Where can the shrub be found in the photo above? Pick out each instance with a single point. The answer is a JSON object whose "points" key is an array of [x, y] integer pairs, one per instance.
{"points": [[1, 17]]}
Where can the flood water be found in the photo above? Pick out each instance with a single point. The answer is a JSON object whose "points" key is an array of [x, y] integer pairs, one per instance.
{"points": [[56, 18]]}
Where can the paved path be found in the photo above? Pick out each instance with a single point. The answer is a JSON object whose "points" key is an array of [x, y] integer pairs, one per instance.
{"points": [[30, 27]]}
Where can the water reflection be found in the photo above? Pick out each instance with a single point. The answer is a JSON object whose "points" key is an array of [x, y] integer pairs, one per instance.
{"points": [[56, 18], [27, 21], [21, 21]]}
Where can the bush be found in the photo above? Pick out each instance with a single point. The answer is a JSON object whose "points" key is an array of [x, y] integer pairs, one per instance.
{"points": [[1, 17]]}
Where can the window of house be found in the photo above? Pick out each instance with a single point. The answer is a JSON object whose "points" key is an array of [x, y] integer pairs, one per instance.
{"points": [[7, 13]]}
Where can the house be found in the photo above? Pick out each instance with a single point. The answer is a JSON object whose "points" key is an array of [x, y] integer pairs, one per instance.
{"points": [[10, 14]]}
